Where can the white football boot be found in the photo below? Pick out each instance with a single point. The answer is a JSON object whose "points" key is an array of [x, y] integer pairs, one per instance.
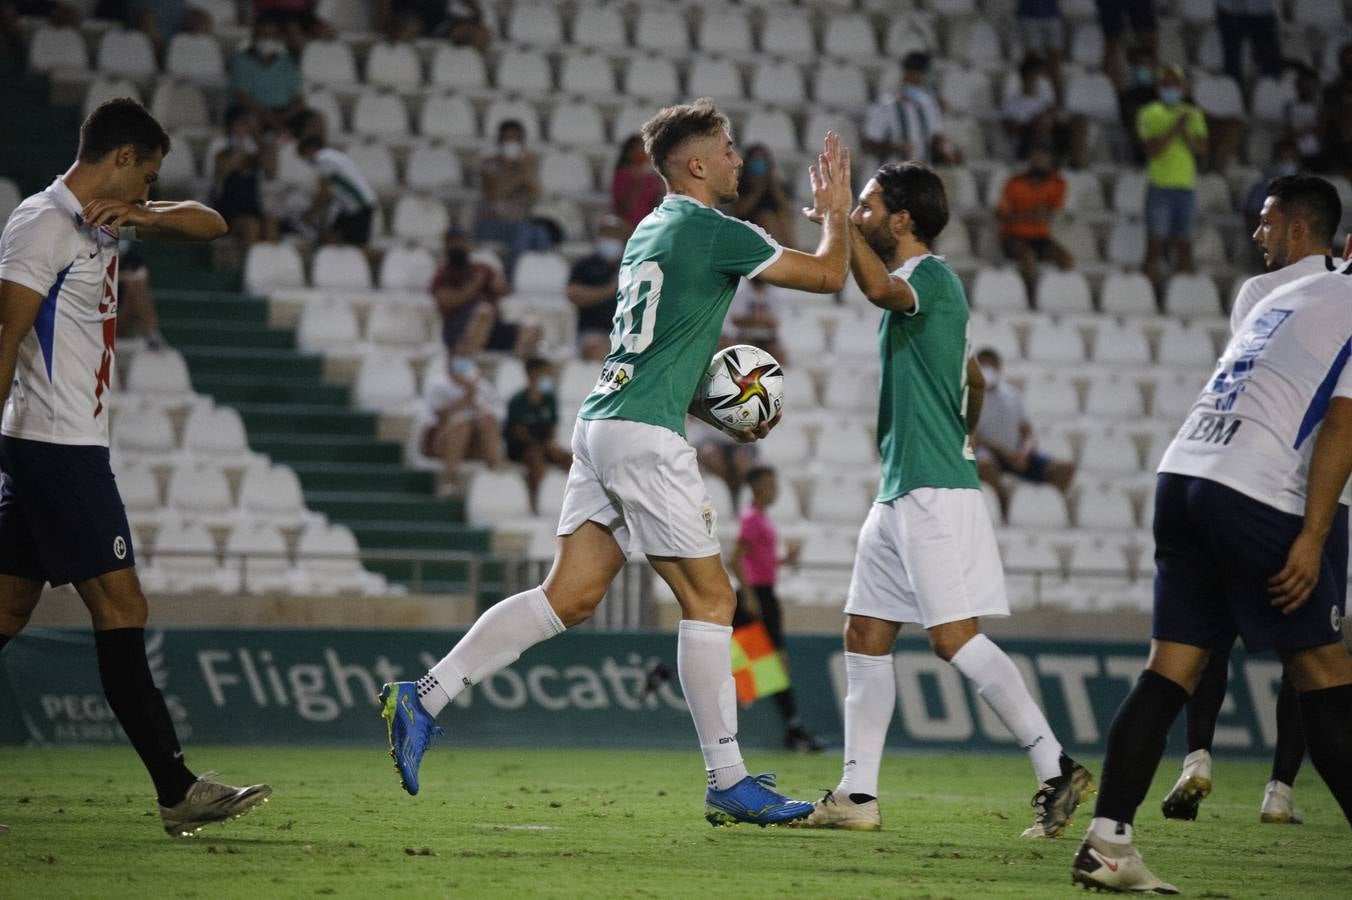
{"points": [[1194, 783], [1277, 808], [1110, 866], [839, 811]]}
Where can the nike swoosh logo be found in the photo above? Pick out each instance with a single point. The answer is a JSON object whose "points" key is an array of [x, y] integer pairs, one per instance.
{"points": [[1112, 866]]}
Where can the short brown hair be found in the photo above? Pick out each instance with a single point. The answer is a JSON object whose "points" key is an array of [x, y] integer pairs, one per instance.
{"points": [[117, 122], [665, 132]]}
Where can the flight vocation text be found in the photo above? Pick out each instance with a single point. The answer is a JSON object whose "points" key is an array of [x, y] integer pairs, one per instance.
{"points": [[320, 691]]}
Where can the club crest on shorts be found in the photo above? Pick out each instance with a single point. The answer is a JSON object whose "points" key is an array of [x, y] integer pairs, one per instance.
{"points": [[708, 515], [119, 547], [1336, 618]]}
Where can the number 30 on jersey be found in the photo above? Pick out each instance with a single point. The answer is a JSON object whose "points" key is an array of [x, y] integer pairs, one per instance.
{"points": [[640, 290]]}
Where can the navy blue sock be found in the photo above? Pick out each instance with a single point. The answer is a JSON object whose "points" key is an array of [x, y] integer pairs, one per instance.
{"points": [[1204, 707], [1136, 743], [1327, 717], [1290, 751], [4, 639]]}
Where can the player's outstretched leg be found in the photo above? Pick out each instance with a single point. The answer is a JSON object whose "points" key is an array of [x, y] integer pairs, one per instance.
{"points": [[495, 641], [207, 802], [1203, 709]]}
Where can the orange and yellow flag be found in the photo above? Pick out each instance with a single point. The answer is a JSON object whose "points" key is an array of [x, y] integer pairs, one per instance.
{"points": [[757, 667]]}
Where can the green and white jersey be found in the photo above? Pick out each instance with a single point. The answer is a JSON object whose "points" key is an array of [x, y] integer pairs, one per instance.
{"points": [[679, 271], [922, 410]]}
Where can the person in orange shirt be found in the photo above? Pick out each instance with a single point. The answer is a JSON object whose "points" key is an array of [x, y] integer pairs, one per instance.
{"points": [[1025, 213]]}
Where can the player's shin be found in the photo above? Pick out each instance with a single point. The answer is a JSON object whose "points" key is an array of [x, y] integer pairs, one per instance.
{"points": [[1136, 743], [704, 664], [870, 698], [1290, 749], [999, 683], [495, 641], [1327, 717], [140, 710]]}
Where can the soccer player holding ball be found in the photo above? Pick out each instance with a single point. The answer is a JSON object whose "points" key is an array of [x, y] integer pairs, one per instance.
{"points": [[635, 485]]}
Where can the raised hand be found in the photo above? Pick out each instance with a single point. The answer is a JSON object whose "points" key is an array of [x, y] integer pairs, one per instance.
{"points": [[830, 178], [114, 213]]}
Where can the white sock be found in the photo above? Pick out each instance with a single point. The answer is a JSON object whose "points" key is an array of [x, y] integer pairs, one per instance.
{"points": [[999, 683], [494, 642], [870, 698], [704, 664], [1111, 830]]}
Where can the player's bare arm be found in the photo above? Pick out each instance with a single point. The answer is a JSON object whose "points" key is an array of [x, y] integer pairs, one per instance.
{"points": [[1330, 466], [976, 394], [18, 309], [883, 289], [744, 436], [182, 220], [825, 271]]}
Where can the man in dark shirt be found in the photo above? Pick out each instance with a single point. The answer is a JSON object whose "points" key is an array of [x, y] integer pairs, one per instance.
{"points": [[532, 420], [592, 285], [467, 292]]}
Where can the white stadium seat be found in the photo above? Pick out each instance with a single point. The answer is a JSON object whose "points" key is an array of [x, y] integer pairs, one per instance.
{"points": [[713, 76], [215, 432], [143, 432], [536, 25], [1105, 506], [566, 173], [273, 493], [57, 50], [162, 373], [495, 498], [407, 268], [380, 114], [269, 266], [376, 164], [1128, 294], [661, 29], [1114, 396], [1121, 344], [327, 325], [724, 30], [1129, 193], [1189, 346], [653, 79], [186, 558], [1055, 342], [999, 290], [779, 82], [847, 444], [849, 36], [1064, 292], [328, 556], [127, 53], [393, 65], [1126, 244], [837, 500], [788, 32], [421, 220], [1219, 96], [398, 324], [599, 25], [257, 551], [450, 117], [541, 273], [524, 72], [433, 167], [840, 84], [1092, 94], [200, 489], [1192, 295], [385, 384], [344, 15], [196, 57], [102, 89], [577, 124], [329, 63], [139, 489], [1051, 395], [458, 68], [1110, 451], [341, 267], [180, 104], [1038, 506], [587, 74]]}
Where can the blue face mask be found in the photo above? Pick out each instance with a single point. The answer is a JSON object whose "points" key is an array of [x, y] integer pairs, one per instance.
{"points": [[1144, 76], [1171, 96], [1286, 167], [758, 167], [463, 367], [547, 385]]}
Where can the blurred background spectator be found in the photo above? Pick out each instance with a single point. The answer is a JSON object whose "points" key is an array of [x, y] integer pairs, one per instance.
{"points": [[460, 420], [532, 427], [296, 20], [1114, 17], [344, 202], [1303, 117], [240, 161], [907, 123], [1286, 160], [1029, 113], [1030, 201], [467, 293], [1254, 22], [592, 284], [1043, 33], [1137, 92], [1337, 114], [1006, 441], [635, 188], [137, 319], [509, 188], [265, 79], [762, 196], [459, 21], [1174, 135], [753, 317]]}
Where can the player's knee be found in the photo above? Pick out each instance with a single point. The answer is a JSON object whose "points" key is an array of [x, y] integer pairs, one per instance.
{"points": [[574, 606], [946, 646]]}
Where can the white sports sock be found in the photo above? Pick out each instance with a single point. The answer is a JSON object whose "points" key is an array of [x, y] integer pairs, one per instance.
{"points": [[999, 683], [870, 698], [494, 642], [704, 664], [1111, 830]]}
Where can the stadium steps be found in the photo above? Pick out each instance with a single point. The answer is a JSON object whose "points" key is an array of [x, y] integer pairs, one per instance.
{"points": [[189, 333], [340, 448], [374, 478]]}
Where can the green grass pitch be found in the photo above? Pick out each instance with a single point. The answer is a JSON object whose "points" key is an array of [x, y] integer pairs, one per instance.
{"points": [[551, 823]]}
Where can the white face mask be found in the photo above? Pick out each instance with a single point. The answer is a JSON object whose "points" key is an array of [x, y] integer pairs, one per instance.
{"points": [[609, 248], [269, 47], [512, 150], [991, 374], [463, 367]]}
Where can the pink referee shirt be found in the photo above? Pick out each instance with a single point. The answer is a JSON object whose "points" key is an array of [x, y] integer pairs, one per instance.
{"points": [[761, 559]]}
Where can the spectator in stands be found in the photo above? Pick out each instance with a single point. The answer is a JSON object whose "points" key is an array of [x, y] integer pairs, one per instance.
{"points": [[137, 318], [240, 161], [162, 19], [460, 420], [907, 124], [1138, 93], [1114, 16], [1303, 117], [509, 187], [1043, 33], [296, 22], [1256, 22], [460, 21], [345, 202], [12, 35], [720, 455], [467, 292], [1337, 116], [763, 198], [1029, 114], [753, 318], [265, 79], [756, 563], [1006, 441], [635, 188], [1031, 199], [532, 426], [592, 285], [1174, 134]]}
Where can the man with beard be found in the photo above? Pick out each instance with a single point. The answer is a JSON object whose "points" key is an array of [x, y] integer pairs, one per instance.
{"points": [[927, 552], [1295, 231]]}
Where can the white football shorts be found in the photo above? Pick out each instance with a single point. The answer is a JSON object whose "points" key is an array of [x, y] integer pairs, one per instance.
{"points": [[928, 557], [643, 483]]}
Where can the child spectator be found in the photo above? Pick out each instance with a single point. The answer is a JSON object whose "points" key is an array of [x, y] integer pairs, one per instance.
{"points": [[345, 202], [1029, 202], [531, 427]]}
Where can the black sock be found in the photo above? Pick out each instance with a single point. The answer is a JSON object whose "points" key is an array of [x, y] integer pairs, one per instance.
{"points": [[1290, 750], [1204, 707], [788, 707], [140, 709], [1327, 717], [1135, 744], [4, 639]]}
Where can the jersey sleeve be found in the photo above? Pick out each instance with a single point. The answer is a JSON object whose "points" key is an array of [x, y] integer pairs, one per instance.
{"points": [[1343, 386], [923, 281], [740, 248], [1244, 301], [34, 250]]}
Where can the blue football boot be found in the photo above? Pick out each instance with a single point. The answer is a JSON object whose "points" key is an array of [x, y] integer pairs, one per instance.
{"points": [[752, 800], [410, 729]]}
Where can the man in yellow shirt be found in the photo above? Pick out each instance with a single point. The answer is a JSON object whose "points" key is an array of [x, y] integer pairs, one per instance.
{"points": [[1173, 133]]}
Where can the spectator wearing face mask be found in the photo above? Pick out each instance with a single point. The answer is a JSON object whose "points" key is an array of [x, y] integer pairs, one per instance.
{"points": [[1030, 201], [467, 292], [1006, 441], [241, 159], [532, 426], [1286, 160], [509, 188], [460, 420], [635, 188], [907, 124], [592, 286], [1174, 135], [264, 79], [762, 198], [1138, 91]]}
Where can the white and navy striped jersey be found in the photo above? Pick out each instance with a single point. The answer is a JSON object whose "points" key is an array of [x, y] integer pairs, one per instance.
{"points": [[352, 193], [65, 368], [1259, 286], [1255, 423]]}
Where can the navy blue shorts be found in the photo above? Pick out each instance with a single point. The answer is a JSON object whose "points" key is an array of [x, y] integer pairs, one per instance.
{"points": [[1215, 550], [61, 517]]}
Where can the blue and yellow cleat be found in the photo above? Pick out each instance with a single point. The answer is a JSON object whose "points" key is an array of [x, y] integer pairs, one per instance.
{"points": [[410, 729], [752, 800]]}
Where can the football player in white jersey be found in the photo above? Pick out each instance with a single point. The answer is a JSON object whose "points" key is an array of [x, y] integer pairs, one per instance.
{"points": [[61, 518], [1295, 231], [1242, 516]]}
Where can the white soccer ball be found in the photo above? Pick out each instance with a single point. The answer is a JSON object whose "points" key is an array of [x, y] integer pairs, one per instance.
{"points": [[743, 387]]}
